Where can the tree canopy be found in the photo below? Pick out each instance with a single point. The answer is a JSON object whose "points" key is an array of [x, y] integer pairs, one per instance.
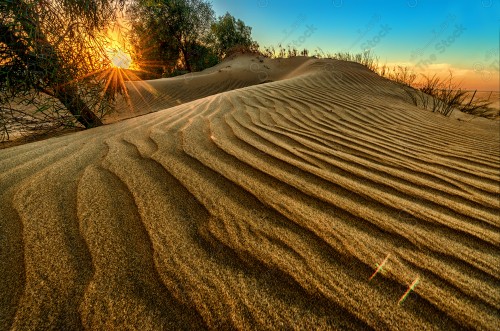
{"points": [[230, 33], [53, 53], [172, 34], [167, 32], [52, 48]]}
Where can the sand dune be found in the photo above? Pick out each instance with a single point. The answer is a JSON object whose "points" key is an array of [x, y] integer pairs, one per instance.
{"points": [[265, 206], [235, 72]]}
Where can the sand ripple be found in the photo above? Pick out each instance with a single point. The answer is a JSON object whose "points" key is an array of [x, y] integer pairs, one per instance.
{"points": [[268, 206]]}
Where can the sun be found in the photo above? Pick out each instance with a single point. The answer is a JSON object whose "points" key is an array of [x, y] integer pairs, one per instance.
{"points": [[120, 59]]}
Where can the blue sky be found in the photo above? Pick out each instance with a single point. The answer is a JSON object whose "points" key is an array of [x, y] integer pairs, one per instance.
{"points": [[428, 35]]}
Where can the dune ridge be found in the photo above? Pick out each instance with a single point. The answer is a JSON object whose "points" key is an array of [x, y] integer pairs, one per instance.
{"points": [[264, 206]]}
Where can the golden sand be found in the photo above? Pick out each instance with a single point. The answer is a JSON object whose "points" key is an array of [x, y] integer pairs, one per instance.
{"points": [[322, 199]]}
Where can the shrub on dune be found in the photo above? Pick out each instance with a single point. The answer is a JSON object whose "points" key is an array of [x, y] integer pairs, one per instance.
{"points": [[443, 96]]}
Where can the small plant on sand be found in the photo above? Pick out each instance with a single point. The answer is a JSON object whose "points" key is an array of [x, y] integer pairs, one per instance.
{"points": [[399, 74], [444, 96], [437, 94], [366, 58], [282, 52]]}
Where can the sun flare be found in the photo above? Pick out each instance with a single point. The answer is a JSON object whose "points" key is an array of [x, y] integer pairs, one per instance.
{"points": [[120, 59]]}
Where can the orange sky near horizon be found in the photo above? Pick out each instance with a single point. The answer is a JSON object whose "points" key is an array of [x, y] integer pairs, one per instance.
{"points": [[480, 78]]}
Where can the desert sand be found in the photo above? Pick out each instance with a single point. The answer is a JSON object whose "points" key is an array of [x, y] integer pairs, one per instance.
{"points": [[313, 201]]}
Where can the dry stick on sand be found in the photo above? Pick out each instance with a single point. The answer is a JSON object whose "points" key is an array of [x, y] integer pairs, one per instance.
{"points": [[412, 286], [379, 268]]}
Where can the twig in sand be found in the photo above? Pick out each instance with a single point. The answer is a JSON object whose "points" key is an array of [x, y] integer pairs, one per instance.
{"points": [[412, 286], [379, 268]]}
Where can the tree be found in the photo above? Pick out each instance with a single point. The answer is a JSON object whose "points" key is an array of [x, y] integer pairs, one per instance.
{"points": [[51, 48], [172, 31], [202, 56], [230, 33]]}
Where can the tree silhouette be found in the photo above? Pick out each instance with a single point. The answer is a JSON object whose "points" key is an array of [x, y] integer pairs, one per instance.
{"points": [[53, 50]]}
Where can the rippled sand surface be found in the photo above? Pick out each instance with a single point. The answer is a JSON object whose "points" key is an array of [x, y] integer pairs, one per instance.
{"points": [[315, 201]]}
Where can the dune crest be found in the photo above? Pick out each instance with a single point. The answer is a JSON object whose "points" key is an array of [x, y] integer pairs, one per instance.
{"points": [[264, 206]]}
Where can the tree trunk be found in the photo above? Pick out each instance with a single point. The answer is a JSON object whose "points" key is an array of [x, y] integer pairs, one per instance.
{"points": [[185, 55], [77, 107], [60, 84]]}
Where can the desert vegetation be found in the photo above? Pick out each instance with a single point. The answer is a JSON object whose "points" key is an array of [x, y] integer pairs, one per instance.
{"points": [[447, 96], [176, 37], [55, 68], [434, 93], [53, 65], [52, 49]]}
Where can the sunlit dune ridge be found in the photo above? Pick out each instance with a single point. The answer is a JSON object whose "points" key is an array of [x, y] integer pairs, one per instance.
{"points": [[314, 201]]}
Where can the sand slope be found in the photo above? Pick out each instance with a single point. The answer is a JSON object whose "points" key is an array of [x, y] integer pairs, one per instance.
{"points": [[233, 73], [268, 206]]}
